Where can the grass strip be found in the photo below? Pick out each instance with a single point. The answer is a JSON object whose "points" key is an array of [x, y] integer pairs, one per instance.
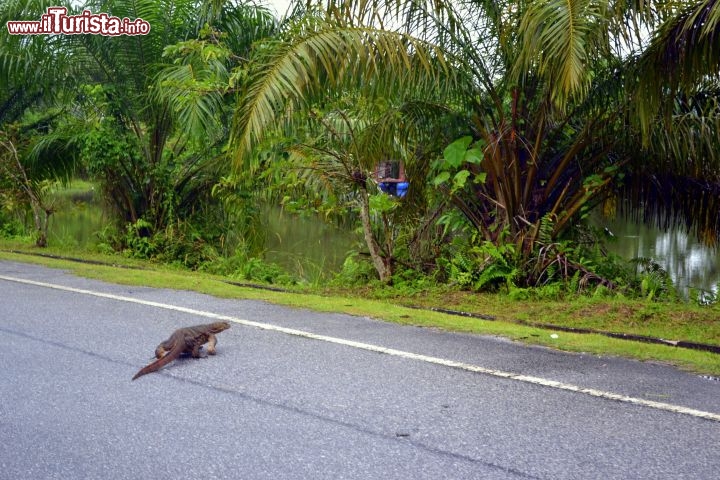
{"points": [[383, 309]]}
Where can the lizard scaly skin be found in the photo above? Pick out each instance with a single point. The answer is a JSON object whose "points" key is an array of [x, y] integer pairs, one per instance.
{"points": [[185, 340]]}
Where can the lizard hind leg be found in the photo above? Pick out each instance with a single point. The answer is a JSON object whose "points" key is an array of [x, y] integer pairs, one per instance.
{"points": [[161, 351]]}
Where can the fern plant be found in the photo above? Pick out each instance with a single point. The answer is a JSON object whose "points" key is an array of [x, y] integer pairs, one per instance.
{"points": [[484, 267], [654, 281]]}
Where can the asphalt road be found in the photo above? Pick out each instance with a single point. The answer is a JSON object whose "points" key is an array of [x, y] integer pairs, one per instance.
{"points": [[274, 404]]}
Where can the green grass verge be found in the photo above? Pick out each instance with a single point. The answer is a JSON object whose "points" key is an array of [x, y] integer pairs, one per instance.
{"points": [[670, 321]]}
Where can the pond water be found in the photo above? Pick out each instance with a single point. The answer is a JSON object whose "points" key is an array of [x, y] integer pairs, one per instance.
{"points": [[310, 248], [691, 264], [305, 246], [77, 225]]}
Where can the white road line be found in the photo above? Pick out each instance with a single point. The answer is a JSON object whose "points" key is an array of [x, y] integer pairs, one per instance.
{"points": [[388, 351]]}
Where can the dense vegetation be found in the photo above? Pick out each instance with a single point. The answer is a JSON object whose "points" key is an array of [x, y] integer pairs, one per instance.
{"points": [[510, 120]]}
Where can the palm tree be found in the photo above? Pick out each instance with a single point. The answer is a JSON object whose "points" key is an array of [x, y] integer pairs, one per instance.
{"points": [[15, 182], [22, 82], [346, 139], [546, 88], [678, 112], [29, 106], [150, 102], [144, 112], [682, 57], [349, 129]]}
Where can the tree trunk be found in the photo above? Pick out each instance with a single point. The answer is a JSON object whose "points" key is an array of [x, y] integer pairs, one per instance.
{"points": [[41, 213], [41, 216], [383, 268]]}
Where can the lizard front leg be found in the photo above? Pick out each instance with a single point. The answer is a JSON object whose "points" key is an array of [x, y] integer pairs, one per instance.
{"points": [[195, 352], [212, 341]]}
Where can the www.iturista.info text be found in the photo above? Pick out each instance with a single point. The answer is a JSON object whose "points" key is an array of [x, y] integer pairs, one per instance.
{"points": [[57, 21]]}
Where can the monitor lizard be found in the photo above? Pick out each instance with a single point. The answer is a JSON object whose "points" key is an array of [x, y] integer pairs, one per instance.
{"points": [[187, 340]]}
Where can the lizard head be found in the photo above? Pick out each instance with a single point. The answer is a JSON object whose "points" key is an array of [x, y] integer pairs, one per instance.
{"points": [[219, 326]]}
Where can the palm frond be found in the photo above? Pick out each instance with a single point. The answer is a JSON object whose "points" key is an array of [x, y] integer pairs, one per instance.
{"points": [[675, 182], [557, 40], [51, 146], [131, 61], [242, 25], [30, 65], [193, 86], [287, 74], [682, 56]]}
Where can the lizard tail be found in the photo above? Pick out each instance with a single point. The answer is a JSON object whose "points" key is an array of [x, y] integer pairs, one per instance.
{"points": [[160, 362]]}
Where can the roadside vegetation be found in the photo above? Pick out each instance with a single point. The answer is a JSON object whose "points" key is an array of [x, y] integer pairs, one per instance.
{"points": [[621, 315], [467, 144]]}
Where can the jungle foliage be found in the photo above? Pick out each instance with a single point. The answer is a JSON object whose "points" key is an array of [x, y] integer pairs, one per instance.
{"points": [[512, 121]]}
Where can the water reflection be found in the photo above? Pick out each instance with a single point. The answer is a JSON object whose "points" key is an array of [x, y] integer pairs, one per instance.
{"points": [[689, 263], [77, 224], [310, 247], [306, 246]]}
